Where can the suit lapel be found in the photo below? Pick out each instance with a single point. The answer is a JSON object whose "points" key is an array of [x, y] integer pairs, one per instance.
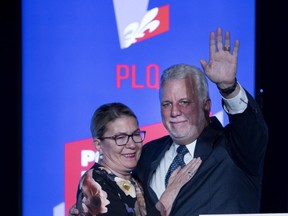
{"points": [[207, 139]]}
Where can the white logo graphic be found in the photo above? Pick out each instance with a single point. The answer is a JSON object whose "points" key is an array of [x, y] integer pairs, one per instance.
{"points": [[135, 30], [134, 21]]}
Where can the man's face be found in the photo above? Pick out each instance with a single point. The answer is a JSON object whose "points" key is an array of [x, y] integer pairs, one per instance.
{"points": [[183, 115]]}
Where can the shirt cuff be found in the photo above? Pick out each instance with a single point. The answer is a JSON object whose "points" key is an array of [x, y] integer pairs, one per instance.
{"points": [[236, 104]]}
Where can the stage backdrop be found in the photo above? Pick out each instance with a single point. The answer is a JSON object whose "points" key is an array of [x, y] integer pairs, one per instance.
{"points": [[78, 55]]}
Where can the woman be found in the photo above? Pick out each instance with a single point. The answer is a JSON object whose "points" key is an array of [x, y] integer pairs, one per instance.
{"points": [[108, 188]]}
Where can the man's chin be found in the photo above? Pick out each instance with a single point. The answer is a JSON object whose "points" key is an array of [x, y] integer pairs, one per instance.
{"points": [[178, 138]]}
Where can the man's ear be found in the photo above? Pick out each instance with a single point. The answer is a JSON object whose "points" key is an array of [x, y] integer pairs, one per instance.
{"points": [[207, 105]]}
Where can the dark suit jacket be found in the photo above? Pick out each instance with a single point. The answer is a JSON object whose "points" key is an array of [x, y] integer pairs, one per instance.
{"points": [[229, 178]]}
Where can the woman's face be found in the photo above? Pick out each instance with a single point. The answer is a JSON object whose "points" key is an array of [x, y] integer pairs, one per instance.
{"points": [[120, 159]]}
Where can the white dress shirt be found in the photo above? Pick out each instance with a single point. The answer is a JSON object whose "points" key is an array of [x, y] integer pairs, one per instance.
{"points": [[158, 179]]}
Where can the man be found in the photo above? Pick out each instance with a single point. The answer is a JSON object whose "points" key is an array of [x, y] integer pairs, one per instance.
{"points": [[229, 179]]}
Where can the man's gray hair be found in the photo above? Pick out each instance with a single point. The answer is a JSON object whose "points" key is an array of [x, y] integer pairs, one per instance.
{"points": [[181, 71]]}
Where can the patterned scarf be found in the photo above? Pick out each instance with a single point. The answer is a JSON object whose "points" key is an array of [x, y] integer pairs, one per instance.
{"points": [[140, 206]]}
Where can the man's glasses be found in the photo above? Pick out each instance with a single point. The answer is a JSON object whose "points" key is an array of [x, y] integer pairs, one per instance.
{"points": [[122, 139]]}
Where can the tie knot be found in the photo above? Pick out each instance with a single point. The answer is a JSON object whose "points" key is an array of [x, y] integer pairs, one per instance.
{"points": [[182, 150]]}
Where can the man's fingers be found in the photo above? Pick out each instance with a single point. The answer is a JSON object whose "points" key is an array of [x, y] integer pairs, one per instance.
{"points": [[219, 39], [203, 64], [212, 43], [236, 48], [227, 46]]}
